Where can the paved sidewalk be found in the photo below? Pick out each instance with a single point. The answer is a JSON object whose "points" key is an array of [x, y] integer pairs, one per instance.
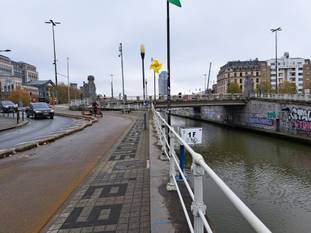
{"points": [[7, 123], [116, 196]]}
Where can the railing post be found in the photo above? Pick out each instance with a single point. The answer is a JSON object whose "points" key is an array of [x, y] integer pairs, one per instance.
{"points": [[171, 184], [162, 141], [198, 204]]}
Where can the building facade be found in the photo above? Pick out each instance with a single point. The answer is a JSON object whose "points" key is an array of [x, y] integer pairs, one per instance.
{"points": [[307, 77], [43, 86], [14, 74], [163, 84], [289, 69], [237, 71]]}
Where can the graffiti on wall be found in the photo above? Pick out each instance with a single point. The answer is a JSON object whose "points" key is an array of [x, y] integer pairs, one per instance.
{"points": [[300, 119], [260, 121]]}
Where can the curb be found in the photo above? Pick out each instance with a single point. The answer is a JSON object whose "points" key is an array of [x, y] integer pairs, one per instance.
{"points": [[9, 152], [16, 126]]}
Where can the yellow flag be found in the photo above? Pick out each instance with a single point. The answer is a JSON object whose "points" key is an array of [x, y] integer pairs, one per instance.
{"points": [[156, 66]]}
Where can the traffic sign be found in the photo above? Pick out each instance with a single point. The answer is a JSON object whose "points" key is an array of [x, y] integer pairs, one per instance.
{"points": [[191, 136]]}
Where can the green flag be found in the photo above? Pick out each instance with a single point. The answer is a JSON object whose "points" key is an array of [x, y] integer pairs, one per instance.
{"points": [[175, 2]]}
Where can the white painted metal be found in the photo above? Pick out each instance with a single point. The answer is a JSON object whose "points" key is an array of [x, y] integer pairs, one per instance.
{"points": [[198, 166]]}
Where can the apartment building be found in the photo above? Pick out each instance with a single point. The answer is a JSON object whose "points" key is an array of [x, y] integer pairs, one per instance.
{"points": [[289, 69], [237, 71]]}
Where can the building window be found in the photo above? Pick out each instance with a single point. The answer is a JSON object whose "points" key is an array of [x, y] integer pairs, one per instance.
{"points": [[240, 80]]}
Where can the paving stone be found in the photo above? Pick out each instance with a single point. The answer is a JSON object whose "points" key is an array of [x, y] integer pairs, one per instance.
{"points": [[115, 198]]}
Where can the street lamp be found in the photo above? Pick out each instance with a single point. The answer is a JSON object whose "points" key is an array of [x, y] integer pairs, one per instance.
{"points": [[205, 83], [142, 54], [53, 23], [111, 83], [276, 30], [122, 70]]}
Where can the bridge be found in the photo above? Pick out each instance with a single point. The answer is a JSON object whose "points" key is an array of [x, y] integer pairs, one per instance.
{"points": [[195, 100]]}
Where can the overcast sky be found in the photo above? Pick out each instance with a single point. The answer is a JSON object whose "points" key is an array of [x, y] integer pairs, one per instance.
{"points": [[201, 31]]}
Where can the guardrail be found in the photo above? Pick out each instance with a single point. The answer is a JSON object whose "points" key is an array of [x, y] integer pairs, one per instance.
{"points": [[198, 168], [292, 97], [19, 115]]}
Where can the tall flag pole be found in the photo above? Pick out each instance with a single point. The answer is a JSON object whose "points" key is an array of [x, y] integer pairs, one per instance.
{"points": [[176, 3]]}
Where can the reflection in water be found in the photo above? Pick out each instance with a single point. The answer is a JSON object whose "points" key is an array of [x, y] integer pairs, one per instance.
{"points": [[272, 176]]}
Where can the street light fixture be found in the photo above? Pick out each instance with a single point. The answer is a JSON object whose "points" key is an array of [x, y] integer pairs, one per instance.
{"points": [[53, 23], [276, 30]]}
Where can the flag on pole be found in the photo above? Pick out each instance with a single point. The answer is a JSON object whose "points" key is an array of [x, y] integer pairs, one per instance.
{"points": [[155, 66], [175, 2]]}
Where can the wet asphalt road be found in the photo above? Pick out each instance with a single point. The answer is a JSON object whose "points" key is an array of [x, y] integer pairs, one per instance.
{"points": [[34, 130], [35, 183]]}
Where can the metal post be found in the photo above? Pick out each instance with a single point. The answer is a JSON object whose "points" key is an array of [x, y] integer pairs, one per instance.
{"points": [[276, 61], [111, 83], [23, 117], [54, 48], [171, 184], [143, 70], [198, 204], [17, 117], [122, 70], [181, 159], [168, 68], [68, 81]]}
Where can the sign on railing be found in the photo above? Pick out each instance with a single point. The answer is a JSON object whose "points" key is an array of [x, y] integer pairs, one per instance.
{"points": [[191, 136]]}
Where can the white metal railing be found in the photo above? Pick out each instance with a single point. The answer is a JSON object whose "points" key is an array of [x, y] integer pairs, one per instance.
{"points": [[292, 97], [198, 168]]}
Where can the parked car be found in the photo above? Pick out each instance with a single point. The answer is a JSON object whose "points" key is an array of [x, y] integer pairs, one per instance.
{"points": [[8, 106], [40, 110]]}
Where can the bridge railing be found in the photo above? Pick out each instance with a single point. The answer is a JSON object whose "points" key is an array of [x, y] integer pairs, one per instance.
{"points": [[198, 168], [292, 97]]}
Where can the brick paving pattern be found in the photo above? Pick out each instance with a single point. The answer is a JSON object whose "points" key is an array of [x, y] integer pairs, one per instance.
{"points": [[116, 196]]}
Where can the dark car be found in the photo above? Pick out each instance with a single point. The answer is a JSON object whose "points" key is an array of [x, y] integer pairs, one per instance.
{"points": [[40, 110], [8, 106]]}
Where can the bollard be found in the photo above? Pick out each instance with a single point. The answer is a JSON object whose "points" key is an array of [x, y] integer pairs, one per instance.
{"points": [[181, 159], [198, 204], [171, 184], [23, 117], [17, 117]]}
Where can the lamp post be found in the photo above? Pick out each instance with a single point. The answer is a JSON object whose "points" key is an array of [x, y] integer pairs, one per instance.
{"points": [[53, 23], [3, 51], [68, 81], [142, 54], [111, 83], [205, 83], [154, 84], [122, 70], [276, 30]]}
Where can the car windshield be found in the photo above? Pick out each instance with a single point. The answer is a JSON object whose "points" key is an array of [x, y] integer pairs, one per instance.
{"points": [[7, 103], [40, 105]]}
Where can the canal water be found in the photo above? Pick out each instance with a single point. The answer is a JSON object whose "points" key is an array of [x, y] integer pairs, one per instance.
{"points": [[272, 176]]}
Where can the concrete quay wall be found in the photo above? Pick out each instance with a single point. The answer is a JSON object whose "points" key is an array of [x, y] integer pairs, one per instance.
{"points": [[284, 119]]}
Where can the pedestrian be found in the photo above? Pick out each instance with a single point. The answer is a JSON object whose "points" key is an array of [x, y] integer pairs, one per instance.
{"points": [[94, 105]]}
